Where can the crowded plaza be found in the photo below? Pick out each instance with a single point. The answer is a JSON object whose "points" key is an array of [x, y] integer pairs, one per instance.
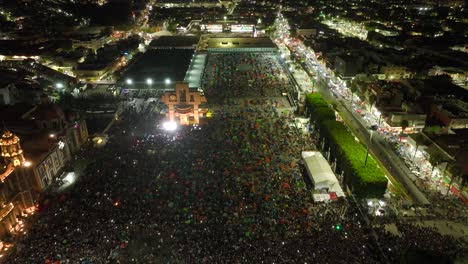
{"points": [[238, 74], [230, 190]]}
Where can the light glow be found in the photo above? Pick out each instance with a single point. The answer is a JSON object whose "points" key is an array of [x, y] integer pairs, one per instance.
{"points": [[170, 125], [70, 178]]}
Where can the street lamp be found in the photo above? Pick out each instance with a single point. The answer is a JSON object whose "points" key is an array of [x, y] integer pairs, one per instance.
{"points": [[52, 135], [312, 80], [367, 151], [27, 164], [167, 81], [129, 81], [59, 85], [225, 17]]}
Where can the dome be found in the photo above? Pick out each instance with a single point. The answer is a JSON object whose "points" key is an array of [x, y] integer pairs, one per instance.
{"points": [[8, 139], [48, 111]]}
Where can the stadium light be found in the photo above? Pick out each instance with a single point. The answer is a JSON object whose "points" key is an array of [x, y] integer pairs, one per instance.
{"points": [[149, 81], [167, 81], [129, 81]]}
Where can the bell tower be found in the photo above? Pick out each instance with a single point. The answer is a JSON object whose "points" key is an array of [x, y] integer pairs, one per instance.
{"points": [[11, 149]]}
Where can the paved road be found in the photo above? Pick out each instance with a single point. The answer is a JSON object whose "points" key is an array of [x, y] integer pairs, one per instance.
{"points": [[380, 148]]}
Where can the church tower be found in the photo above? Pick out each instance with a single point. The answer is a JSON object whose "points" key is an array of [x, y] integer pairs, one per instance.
{"points": [[11, 149]]}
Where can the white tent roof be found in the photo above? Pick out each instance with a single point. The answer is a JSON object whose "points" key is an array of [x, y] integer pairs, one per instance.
{"points": [[320, 172]]}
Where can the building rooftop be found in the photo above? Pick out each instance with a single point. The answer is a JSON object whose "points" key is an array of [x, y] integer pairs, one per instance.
{"points": [[456, 145], [174, 42], [240, 42], [48, 111], [453, 106], [159, 65]]}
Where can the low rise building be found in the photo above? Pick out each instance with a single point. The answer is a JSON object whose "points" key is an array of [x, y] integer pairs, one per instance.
{"points": [[347, 66], [393, 72], [451, 112], [94, 71], [306, 31], [91, 37]]}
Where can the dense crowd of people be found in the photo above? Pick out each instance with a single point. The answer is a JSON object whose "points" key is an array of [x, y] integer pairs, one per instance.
{"points": [[229, 191], [426, 241], [241, 74]]}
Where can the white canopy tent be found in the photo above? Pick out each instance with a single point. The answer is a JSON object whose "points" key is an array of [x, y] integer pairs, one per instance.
{"points": [[320, 172]]}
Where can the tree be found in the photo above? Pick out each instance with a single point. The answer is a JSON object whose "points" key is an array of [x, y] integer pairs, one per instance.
{"points": [[435, 159], [404, 125], [366, 181], [372, 100], [353, 88], [436, 129], [456, 172]]}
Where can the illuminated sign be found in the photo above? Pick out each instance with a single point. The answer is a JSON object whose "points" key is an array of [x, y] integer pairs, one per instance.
{"points": [[212, 27], [242, 28]]}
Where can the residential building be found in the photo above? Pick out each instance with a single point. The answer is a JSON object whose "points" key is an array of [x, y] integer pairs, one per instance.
{"points": [[451, 112], [393, 72], [347, 66]]}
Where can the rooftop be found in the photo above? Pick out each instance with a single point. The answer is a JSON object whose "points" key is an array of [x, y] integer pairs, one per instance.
{"points": [[454, 106], [159, 65], [241, 42], [456, 145], [174, 42]]}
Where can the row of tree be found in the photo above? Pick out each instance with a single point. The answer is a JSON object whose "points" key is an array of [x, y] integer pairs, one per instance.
{"points": [[366, 179]]}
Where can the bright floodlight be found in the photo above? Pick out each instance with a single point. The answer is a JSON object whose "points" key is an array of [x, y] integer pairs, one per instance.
{"points": [[27, 164], [170, 125], [149, 81], [129, 81], [59, 85], [70, 178], [167, 81]]}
